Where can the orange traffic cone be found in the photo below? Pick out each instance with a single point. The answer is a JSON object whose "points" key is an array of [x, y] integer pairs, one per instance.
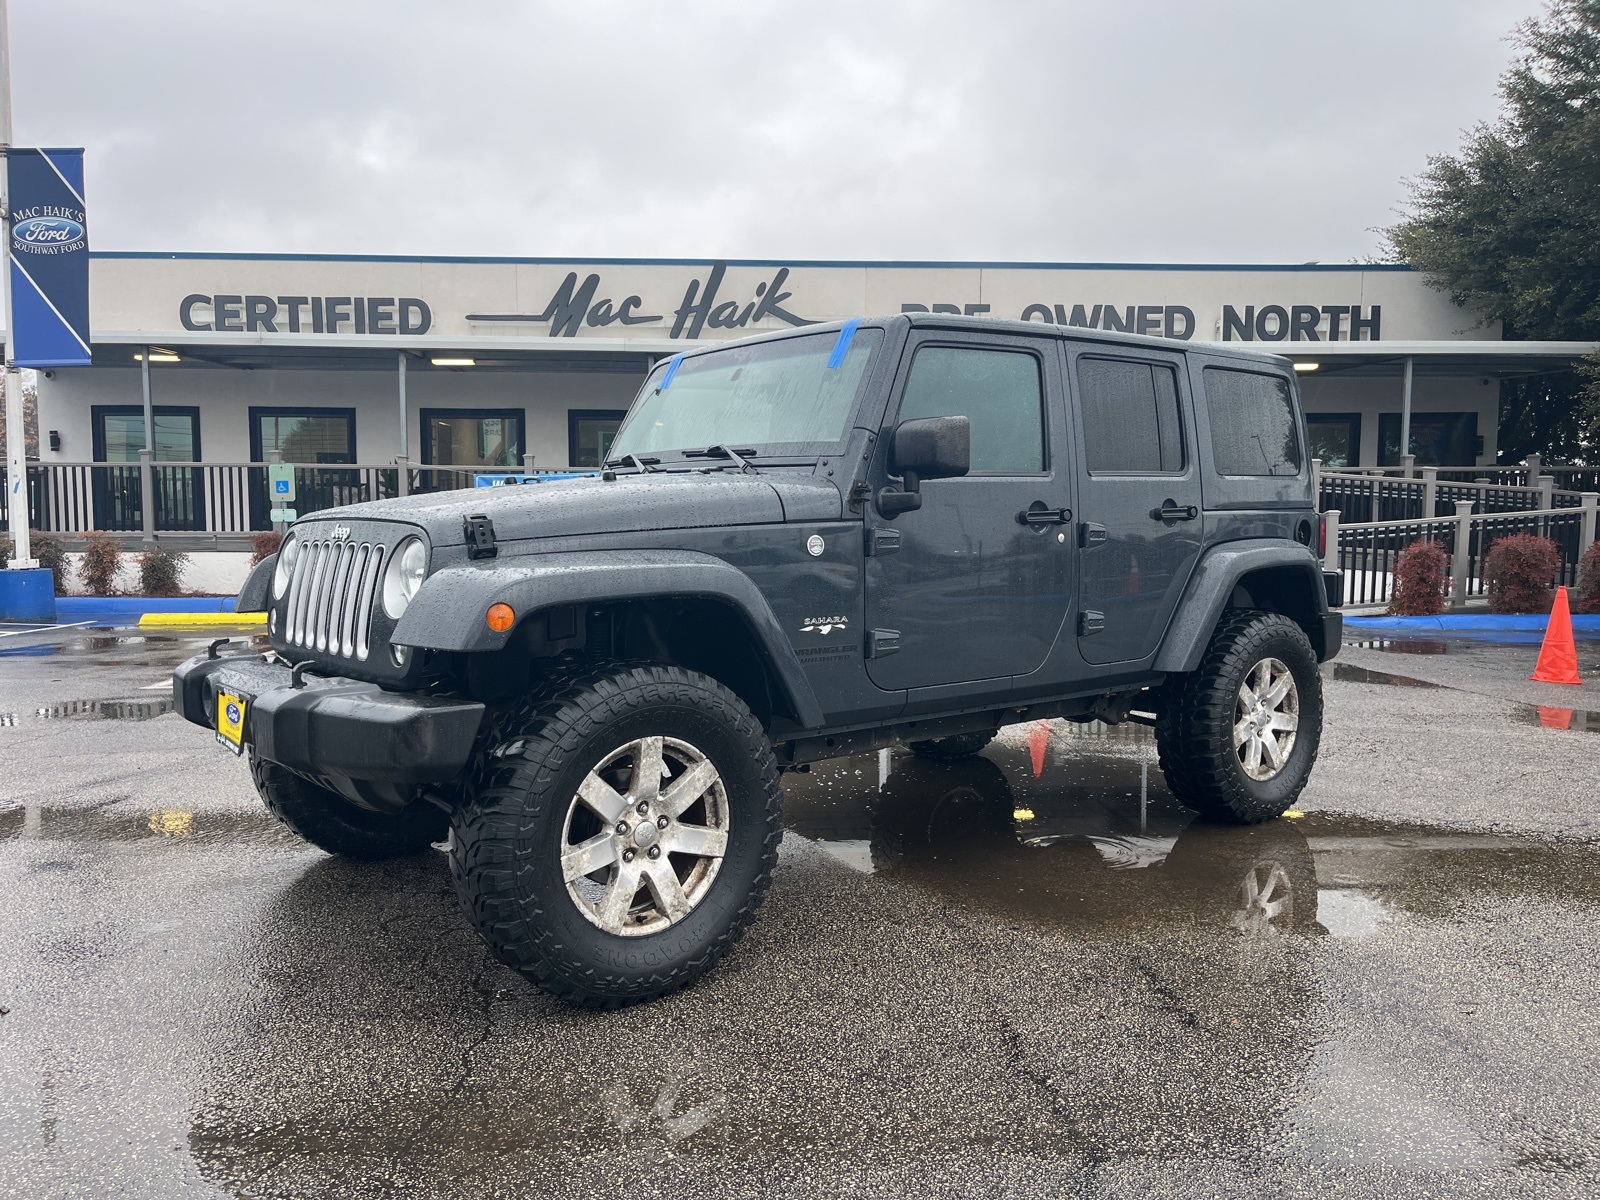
{"points": [[1558, 657]]}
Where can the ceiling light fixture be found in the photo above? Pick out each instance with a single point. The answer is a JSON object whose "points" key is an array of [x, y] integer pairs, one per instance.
{"points": [[159, 356], [454, 362], [1307, 366]]}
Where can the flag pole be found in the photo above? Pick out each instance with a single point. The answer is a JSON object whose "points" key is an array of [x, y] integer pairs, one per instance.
{"points": [[16, 435]]}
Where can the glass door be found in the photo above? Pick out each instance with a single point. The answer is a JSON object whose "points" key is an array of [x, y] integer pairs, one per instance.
{"points": [[118, 491], [316, 440]]}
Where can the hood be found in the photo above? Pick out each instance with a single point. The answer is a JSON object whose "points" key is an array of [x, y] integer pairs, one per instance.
{"points": [[628, 504]]}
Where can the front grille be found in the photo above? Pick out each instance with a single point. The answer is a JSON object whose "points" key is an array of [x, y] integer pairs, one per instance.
{"points": [[329, 608]]}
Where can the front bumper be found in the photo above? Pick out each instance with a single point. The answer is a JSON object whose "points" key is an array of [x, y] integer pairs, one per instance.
{"points": [[333, 727]]}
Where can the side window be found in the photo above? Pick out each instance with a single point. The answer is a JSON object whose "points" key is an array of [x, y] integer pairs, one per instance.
{"points": [[1131, 422], [1253, 430], [997, 390]]}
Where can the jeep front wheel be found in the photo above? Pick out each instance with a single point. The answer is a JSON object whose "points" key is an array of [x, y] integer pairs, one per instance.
{"points": [[620, 830], [1238, 735]]}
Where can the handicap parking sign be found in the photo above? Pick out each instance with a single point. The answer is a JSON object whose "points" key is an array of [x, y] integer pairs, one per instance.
{"points": [[280, 478]]}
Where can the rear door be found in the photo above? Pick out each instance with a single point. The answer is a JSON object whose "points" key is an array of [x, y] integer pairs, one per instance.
{"points": [[1139, 491]]}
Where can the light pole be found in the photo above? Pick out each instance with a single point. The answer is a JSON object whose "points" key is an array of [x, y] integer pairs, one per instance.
{"points": [[16, 439]]}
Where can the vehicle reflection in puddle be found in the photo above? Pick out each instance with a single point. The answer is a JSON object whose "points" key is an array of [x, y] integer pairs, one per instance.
{"points": [[1072, 827]]}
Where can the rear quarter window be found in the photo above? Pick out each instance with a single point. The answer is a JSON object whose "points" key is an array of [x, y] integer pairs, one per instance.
{"points": [[1253, 425]]}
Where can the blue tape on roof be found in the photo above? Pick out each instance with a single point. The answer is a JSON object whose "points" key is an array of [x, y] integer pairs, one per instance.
{"points": [[672, 369], [842, 346]]}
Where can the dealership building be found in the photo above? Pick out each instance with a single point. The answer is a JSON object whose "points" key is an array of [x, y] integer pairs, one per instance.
{"points": [[501, 362]]}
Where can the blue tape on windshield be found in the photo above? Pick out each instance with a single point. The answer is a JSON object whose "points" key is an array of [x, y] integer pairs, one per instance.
{"points": [[672, 369], [842, 346]]}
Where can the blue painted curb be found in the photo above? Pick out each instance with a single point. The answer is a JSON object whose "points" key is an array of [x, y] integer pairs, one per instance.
{"points": [[1473, 623], [126, 610]]}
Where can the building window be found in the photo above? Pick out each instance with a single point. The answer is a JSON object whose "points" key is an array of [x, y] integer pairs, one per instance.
{"points": [[1335, 438], [590, 432], [1438, 439], [180, 502], [477, 437], [304, 435]]}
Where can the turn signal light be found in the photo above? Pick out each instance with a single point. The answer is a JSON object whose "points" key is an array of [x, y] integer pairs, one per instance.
{"points": [[500, 617]]}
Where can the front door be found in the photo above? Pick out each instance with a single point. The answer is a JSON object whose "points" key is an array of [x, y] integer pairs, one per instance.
{"points": [[1139, 491], [965, 588]]}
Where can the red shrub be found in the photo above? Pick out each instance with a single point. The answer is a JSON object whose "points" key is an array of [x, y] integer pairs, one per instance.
{"points": [[1421, 581], [264, 545], [102, 555], [1520, 571], [1588, 598]]}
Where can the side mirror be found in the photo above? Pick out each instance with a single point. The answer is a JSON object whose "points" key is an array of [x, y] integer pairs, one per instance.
{"points": [[925, 448]]}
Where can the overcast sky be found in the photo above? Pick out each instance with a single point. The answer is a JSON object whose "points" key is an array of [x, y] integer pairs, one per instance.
{"points": [[1163, 131]]}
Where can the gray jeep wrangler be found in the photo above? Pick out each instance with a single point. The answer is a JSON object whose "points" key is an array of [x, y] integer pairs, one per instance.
{"points": [[913, 530]]}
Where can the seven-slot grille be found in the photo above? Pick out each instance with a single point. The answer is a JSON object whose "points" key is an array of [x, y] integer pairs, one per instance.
{"points": [[331, 595]]}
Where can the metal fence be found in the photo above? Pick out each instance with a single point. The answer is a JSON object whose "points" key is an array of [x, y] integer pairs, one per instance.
{"points": [[227, 499], [1365, 551], [1367, 496]]}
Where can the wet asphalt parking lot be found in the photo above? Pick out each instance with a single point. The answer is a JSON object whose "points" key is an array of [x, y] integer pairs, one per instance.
{"points": [[1028, 974]]}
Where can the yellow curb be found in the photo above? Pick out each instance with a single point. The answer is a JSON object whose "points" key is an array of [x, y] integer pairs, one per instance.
{"points": [[153, 620]]}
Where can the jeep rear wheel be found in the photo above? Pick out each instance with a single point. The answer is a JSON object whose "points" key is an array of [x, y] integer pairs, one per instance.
{"points": [[620, 829], [1238, 735], [330, 822]]}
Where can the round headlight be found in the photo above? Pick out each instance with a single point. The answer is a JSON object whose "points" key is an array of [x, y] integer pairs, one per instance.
{"points": [[284, 571], [404, 576]]}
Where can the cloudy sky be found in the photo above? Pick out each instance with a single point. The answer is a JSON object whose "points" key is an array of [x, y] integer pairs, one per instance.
{"points": [[1169, 130]]}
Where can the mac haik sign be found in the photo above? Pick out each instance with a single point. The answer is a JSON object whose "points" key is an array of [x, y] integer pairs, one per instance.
{"points": [[654, 300], [49, 258]]}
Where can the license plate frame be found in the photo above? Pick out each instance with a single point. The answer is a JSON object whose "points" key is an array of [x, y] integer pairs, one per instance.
{"points": [[232, 709]]}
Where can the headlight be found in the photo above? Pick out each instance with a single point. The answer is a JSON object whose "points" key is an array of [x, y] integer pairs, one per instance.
{"points": [[404, 576], [284, 571]]}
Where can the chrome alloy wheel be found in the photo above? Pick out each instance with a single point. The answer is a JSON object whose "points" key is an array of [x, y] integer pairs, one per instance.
{"points": [[1265, 718], [1266, 901], [645, 836]]}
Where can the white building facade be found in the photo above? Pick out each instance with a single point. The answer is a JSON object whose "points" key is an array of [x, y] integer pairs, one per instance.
{"points": [[506, 362]]}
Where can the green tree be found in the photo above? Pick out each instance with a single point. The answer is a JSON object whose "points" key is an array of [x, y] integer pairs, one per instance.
{"points": [[1510, 226]]}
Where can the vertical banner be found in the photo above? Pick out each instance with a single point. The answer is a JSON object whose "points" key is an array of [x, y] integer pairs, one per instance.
{"points": [[49, 258]]}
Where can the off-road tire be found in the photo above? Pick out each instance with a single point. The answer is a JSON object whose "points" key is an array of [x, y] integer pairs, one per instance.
{"points": [[1194, 727], [949, 749], [506, 835], [330, 822]]}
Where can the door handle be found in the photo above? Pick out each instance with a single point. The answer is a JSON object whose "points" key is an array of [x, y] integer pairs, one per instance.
{"points": [[1037, 514], [1172, 511]]}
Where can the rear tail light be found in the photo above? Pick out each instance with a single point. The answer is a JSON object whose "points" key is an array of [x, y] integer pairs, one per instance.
{"points": [[1322, 537]]}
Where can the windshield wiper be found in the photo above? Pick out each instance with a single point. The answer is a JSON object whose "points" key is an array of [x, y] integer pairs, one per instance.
{"points": [[741, 457], [644, 464]]}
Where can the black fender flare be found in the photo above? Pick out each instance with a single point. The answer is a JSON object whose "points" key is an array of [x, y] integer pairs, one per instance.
{"points": [[1211, 586], [448, 611], [256, 594]]}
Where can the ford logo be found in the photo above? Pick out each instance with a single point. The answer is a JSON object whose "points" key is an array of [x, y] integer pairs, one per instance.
{"points": [[48, 231]]}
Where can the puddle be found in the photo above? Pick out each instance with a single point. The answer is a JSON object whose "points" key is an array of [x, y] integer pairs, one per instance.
{"points": [[114, 823], [1403, 645], [1573, 720], [1350, 673], [141, 708], [1094, 842]]}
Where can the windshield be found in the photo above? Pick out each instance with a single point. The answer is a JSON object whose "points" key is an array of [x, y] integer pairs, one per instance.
{"points": [[791, 396]]}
